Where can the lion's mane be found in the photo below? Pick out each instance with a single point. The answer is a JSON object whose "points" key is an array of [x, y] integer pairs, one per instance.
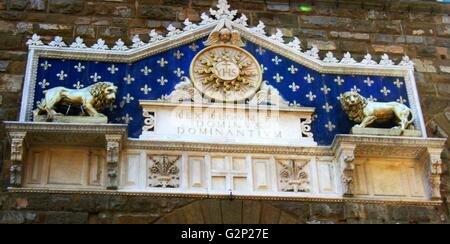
{"points": [[355, 112], [98, 93]]}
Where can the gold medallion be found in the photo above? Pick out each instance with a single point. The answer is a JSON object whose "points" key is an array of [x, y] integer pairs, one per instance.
{"points": [[226, 73]]}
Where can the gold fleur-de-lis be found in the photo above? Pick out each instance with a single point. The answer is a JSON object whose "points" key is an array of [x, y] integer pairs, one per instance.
{"points": [[95, 77], [162, 81], [355, 89], [46, 65], [79, 67], [330, 126], [398, 83], [113, 69], [129, 79], [179, 72], [327, 107], [61, 75], [369, 82], [146, 71], [162, 62], [146, 89], [294, 87], [78, 85], [293, 69], [260, 50], [401, 100], [325, 89], [385, 91], [278, 78], [339, 81], [372, 98], [277, 60], [178, 54], [44, 84], [127, 118], [311, 96], [128, 98], [263, 68], [309, 78], [295, 104], [194, 47]]}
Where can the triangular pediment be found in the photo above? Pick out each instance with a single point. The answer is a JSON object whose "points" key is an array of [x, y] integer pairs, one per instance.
{"points": [[301, 77]]}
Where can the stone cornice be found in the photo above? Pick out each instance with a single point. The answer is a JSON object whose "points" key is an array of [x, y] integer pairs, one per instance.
{"points": [[411, 202], [227, 148], [34, 127]]}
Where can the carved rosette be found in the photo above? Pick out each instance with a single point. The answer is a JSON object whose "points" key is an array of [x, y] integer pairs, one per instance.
{"points": [[164, 172], [294, 176], [226, 73], [113, 148]]}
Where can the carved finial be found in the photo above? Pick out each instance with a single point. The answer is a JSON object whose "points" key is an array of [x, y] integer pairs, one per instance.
{"points": [[347, 59], [385, 60], [329, 58], [368, 60], [314, 52], [58, 42], [260, 28], [406, 61], [120, 46], [223, 11], [206, 19], [79, 43], [137, 42], [295, 44], [100, 45], [173, 31], [189, 25], [242, 20], [35, 41], [155, 37], [278, 36]]}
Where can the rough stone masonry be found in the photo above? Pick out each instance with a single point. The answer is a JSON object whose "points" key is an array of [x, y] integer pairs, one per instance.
{"points": [[420, 29]]}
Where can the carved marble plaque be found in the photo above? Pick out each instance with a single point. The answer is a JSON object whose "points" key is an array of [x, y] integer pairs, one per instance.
{"points": [[234, 124], [226, 73]]}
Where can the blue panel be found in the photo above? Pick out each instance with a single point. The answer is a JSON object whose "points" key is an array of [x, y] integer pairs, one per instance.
{"points": [[156, 76]]}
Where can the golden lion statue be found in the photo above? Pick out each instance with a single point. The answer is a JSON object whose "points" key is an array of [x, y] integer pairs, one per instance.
{"points": [[365, 112], [90, 99]]}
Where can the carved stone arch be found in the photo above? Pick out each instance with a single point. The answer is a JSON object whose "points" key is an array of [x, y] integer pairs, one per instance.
{"points": [[229, 212]]}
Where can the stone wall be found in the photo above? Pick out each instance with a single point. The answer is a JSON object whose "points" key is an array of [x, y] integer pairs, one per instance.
{"points": [[100, 209], [420, 29]]}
